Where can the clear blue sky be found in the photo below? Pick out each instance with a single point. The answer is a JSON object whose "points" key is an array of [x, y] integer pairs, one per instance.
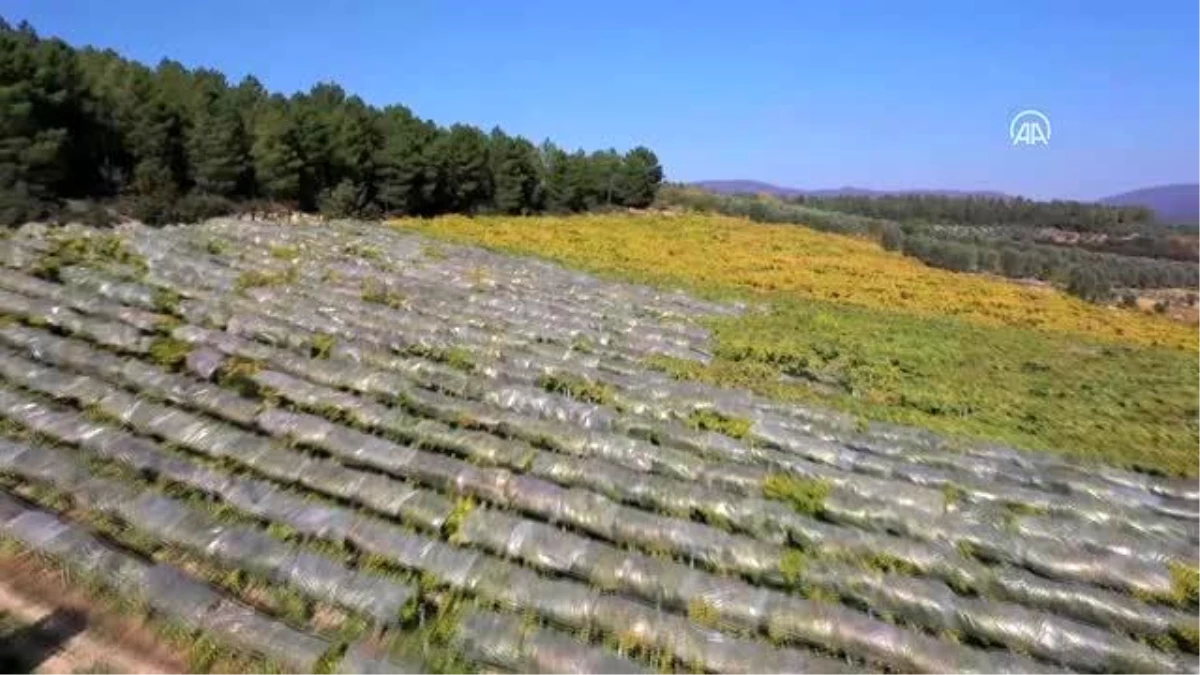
{"points": [[880, 94]]}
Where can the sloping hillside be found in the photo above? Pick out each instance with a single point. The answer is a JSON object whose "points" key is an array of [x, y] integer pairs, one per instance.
{"points": [[350, 448], [886, 337], [1172, 204]]}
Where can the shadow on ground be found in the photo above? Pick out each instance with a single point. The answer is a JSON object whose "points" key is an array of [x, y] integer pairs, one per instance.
{"points": [[24, 648]]}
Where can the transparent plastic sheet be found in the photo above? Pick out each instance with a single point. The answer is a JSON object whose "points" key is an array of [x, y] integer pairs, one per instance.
{"points": [[164, 588], [1058, 474], [14, 255], [77, 299], [362, 660], [536, 402], [423, 507], [932, 605], [170, 520], [111, 333], [503, 641], [139, 295], [215, 439], [248, 629], [873, 467], [1093, 536], [736, 605], [77, 354], [173, 593], [493, 640]]}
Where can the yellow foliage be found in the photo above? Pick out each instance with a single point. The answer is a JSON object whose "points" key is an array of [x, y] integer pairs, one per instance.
{"points": [[720, 254]]}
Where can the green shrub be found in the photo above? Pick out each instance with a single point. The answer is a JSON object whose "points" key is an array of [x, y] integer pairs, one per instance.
{"points": [[322, 345], [166, 300], [891, 237], [463, 506], [238, 373], [169, 352], [195, 207], [1185, 584], [792, 565], [331, 659], [89, 250]]}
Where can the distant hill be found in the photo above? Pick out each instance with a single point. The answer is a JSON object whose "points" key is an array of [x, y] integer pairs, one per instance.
{"points": [[753, 186], [1177, 204]]}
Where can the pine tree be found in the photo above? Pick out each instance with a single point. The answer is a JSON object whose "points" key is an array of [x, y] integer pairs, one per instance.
{"points": [[219, 149], [515, 174], [405, 174], [278, 165], [464, 177], [642, 177]]}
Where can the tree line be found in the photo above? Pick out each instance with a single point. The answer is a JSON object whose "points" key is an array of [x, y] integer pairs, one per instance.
{"points": [[1092, 275], [1088, 274], [986, 210], [174, 144]]}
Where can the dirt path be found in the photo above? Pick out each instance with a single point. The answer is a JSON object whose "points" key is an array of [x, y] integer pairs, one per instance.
{"points": [[60, 630]]}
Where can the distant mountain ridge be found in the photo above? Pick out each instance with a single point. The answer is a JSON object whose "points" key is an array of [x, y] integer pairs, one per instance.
{"points": [[754, 186], [1172, 204], [1177, 204]]}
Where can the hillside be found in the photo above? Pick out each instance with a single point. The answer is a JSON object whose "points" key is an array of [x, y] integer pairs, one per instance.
{"points": [[1172, 204], [886, 337], [731, 187], [346, 447]]}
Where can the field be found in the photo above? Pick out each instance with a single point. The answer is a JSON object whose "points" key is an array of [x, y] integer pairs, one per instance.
{"points": [[885, 337], [350, 448]]}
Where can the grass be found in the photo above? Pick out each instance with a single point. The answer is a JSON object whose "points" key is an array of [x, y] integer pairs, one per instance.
{"points": [[285, 253], [576, 387], [463, 506], [702, 612], [792, 565], [365, 251], [322, 346], [258, 278], [1185, 585], [169, 352], [166, 301], [87, 249], [376, 292], [711, 420], [458, 358], [850, 326], [806, 495], [238, 373]]}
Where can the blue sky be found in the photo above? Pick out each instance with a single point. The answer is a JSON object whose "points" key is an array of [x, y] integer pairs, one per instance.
{"points": [[886, 95]]}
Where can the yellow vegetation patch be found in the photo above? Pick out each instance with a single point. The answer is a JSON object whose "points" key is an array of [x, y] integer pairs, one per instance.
{"points": [[720, 254]]}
